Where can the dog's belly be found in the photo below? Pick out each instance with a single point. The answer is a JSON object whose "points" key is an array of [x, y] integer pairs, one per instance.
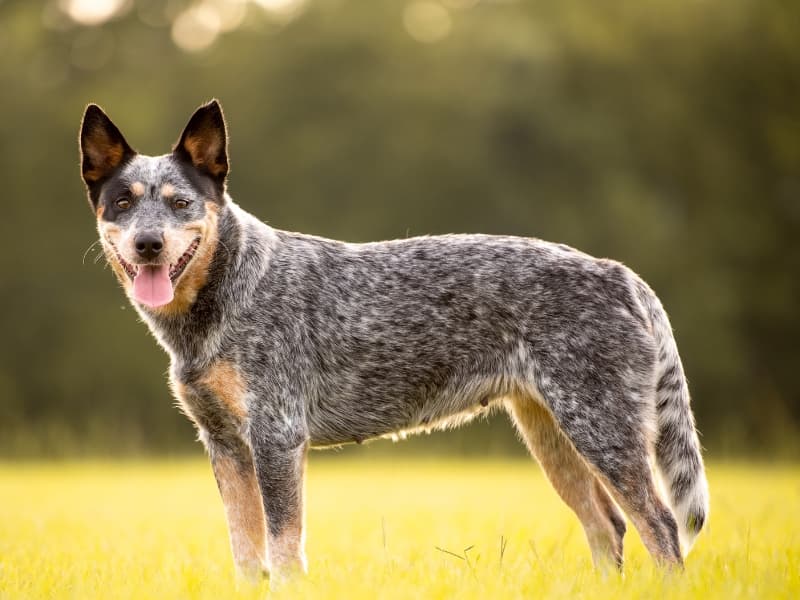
{"points": [[337, 425], [328, 438]]}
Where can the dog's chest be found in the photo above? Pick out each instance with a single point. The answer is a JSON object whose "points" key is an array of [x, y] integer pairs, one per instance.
{"points": [[215, 398]]}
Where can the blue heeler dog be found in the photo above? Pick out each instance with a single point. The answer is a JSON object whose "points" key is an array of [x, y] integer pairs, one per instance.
{"points": [[281, 341]]}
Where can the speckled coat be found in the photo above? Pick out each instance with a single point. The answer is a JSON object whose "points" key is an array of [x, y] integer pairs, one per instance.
{"points": [[281, 341]]}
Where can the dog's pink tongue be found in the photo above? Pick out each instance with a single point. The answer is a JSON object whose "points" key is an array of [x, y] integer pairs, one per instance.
{"points": [[152, 286]]}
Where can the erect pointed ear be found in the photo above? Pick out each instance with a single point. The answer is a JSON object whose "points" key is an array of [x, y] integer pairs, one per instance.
{"points": [[103, 148], [204, 141]]}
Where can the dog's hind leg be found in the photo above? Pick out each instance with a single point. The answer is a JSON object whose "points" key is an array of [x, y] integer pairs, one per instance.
{"points": [[612, 435], [571, 477], [632, 485]]}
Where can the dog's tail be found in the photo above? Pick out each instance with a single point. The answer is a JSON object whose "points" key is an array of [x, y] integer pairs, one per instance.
{"points": [[677, 447]]}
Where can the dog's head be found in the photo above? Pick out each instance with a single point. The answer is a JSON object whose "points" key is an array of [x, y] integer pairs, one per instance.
{"points": [[157, 215]]}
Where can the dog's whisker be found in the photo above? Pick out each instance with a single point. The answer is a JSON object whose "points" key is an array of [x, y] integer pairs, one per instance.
{"points": [[92, 245]]}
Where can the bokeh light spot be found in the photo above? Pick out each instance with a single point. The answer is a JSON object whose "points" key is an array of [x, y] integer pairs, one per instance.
{"points": [[93, 12], [282, 10], [459, 4], [426, 21], [196, 28], [231, 13]]}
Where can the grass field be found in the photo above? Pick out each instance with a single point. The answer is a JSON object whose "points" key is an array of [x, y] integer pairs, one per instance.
{"points": [[376, 529]]}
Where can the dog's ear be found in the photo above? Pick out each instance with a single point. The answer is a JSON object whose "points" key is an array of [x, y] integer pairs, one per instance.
{"points": [[103, 149], [204, 142]]}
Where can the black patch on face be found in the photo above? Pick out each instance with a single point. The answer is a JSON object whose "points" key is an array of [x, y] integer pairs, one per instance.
{"points": [[108, 194]]}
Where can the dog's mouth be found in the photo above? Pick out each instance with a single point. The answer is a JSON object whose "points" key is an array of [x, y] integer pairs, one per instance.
{"points": [[153, 284], [126, 266], [175, 270], [179, 267]]}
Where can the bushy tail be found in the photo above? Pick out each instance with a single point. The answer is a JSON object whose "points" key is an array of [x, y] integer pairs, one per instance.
{"points": [[677, 446]]}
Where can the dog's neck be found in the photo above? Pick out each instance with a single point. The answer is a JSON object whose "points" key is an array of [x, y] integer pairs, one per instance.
{"points": [[241, 257]]}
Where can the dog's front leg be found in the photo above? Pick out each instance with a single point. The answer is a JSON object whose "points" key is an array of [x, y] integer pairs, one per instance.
{"points": [[279, 452], [236, 478], [232, 463]]}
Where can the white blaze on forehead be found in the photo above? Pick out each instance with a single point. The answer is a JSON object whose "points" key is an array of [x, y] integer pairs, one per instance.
{"points": [[137, 188], [167, 190]]}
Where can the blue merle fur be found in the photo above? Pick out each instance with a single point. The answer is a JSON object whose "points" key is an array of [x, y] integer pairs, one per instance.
{"points": [[340, 342]]}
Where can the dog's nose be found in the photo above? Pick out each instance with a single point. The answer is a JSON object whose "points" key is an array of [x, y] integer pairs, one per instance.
{"points": [[149, 244]]}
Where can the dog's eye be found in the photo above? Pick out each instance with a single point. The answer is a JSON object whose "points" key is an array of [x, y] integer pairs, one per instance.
{"points": [[123, 203], [181, 203]]}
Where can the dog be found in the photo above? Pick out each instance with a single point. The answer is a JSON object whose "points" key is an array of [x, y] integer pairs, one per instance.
{"points": [[281, 341]]}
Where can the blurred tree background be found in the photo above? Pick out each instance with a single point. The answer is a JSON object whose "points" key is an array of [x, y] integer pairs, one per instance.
{"points": [[665, 134]]}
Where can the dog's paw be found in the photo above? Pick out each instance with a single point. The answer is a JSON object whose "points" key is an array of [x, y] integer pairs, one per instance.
{"points": [[287, 572], [252, 574]]}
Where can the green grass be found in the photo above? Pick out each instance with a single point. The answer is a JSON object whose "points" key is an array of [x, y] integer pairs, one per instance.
{"points": [[377, 529]]}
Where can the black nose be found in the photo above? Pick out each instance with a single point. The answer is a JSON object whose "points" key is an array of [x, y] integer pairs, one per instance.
{"points": [[149, 244]]}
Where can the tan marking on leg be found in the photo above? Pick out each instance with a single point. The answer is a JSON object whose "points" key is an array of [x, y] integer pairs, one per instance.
{"points": [[241, 497], [167, 190], [244, 511], [225, 381], [571, 477], [137, 188]]}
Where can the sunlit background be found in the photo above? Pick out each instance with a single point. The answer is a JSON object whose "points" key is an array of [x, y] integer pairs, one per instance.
{"points": [[665, 134]]}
